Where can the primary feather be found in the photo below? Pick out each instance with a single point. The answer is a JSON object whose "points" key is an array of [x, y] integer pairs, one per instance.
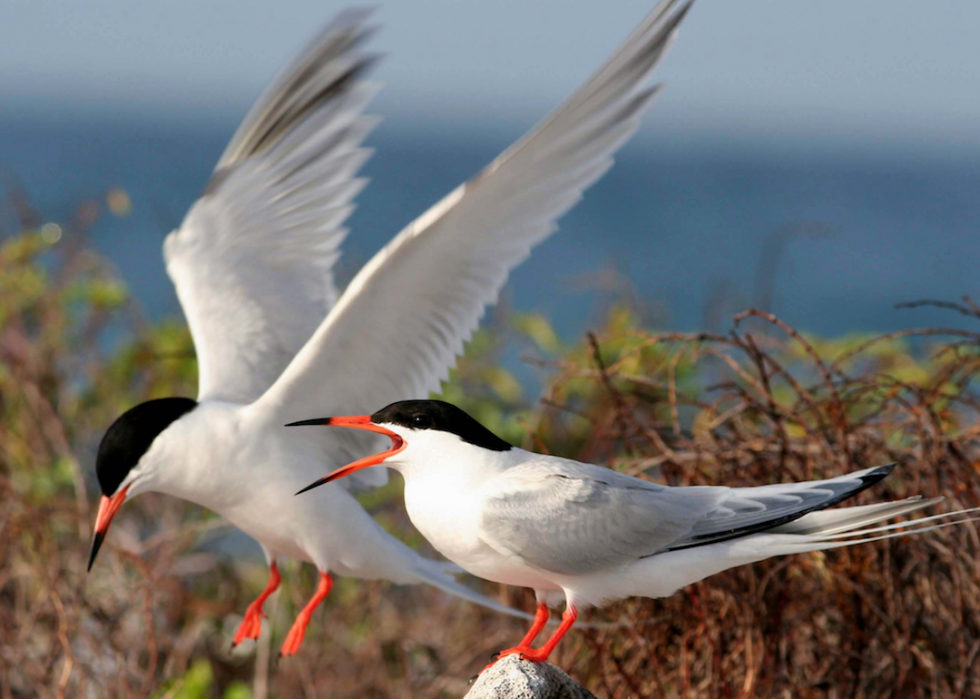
{"points": [[252, 260], [569, 517], [410, 310]]}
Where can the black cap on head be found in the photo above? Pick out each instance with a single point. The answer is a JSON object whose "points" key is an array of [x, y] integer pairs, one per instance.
{"points": [[441, 416], [131, 435]]}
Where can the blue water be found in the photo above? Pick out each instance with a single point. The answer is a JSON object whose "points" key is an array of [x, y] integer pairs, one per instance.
{"points": [[680, 225]]}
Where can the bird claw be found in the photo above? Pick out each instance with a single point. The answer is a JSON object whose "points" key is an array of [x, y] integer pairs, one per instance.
{"points": [[294, 639], [473, 679], [535, 655], [250, 628], [493, 659]]}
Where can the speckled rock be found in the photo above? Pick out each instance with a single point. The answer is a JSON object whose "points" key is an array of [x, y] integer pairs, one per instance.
{"points": [[513, 678]]}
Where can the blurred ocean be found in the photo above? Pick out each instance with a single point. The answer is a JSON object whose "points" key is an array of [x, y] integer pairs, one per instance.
{"points": [[829, 239]]}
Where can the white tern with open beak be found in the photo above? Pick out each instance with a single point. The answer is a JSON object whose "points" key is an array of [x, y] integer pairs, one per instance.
{"points": [[585, 534], [276, 341]]}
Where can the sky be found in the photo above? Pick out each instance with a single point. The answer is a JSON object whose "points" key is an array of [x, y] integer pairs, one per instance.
{"points": [[852, 72], [804, 91]]}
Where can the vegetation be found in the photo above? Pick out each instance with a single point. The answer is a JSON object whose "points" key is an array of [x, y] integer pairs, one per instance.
{"points": [[761, 404]]}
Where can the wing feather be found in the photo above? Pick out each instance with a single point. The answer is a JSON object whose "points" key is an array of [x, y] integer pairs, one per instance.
{"points": [[397, 329], [572, 518], [252, 260]]}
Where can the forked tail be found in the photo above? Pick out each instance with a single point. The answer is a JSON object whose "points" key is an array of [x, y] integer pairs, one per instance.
{"points": [[817, 530], [847, 526]]}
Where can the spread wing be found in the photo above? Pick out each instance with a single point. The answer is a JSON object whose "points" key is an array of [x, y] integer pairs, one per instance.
{"points": [[252, 260], [399, 326], [571, 518]]}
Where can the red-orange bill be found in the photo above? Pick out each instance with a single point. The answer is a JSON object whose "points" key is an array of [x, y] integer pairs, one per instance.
{"points": [[108, 507], [357, 422]]}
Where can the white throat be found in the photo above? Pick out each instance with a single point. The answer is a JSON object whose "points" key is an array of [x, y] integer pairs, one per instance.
{"points": [[191, 458]]}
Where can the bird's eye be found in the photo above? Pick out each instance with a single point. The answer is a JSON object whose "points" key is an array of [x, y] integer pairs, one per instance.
{"points": [[421, 421]]}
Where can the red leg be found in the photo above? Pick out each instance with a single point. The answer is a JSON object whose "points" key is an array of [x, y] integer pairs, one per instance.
{"points": [[540, 619], [541, 654], [295, 636], [252, 623]]}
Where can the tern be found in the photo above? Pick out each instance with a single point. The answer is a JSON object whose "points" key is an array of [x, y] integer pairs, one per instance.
{"points": [[276, 341], [584, 534]]}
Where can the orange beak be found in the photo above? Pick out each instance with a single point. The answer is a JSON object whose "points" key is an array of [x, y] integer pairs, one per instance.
{"points": [[108, 507], [358, 422]]}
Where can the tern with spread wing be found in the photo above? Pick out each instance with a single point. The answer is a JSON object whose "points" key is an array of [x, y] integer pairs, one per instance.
{"points": [[585, 534], [275, 340]]}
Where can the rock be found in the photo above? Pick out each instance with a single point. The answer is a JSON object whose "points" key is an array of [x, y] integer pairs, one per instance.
{"points": [[513, 678]]}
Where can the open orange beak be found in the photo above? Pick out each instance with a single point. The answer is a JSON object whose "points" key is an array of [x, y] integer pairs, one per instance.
{"points": [[358, 422], [108, 507]]}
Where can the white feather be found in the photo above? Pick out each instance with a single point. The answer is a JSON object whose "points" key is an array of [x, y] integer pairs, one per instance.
{"points": [[252, 260], [554, 524], [398, 328]]}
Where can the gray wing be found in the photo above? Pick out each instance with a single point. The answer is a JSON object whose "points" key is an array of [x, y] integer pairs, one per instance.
{"points": [[252, 260], [745, 511], [571, 518]]}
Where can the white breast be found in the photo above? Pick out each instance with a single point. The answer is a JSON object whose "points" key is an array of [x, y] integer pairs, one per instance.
{"points": [[444, 504]]}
